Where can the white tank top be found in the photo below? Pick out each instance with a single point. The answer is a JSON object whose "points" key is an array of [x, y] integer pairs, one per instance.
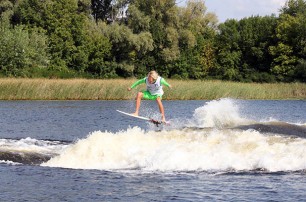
{"points": [[155, 88]]}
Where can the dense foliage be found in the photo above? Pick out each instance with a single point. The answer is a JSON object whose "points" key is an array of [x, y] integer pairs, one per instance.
{"points": [[125, 38]]}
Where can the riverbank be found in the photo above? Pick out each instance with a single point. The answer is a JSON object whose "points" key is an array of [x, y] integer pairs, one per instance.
{"points": [[116, 89]]}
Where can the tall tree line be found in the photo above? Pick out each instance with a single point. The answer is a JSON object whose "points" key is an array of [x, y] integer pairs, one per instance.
{"points": [[125, 38]]}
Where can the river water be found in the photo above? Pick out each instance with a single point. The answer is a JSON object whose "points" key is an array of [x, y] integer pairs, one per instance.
{"points": [[220, 150]]}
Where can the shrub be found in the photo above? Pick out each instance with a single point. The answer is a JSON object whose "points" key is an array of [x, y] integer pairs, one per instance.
{"points": [[21, 48]]}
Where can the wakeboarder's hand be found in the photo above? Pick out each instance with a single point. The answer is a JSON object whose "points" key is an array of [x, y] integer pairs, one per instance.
{"points": [[129, 89]]}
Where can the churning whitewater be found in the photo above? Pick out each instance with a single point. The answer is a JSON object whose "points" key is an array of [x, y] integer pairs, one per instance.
{"points": [[214, 140]]}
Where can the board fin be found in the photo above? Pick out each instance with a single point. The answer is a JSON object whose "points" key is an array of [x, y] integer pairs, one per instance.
{"points": [[156, 122]]}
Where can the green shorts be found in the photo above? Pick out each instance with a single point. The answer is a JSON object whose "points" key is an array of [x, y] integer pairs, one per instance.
{"points": [[147, 95]]}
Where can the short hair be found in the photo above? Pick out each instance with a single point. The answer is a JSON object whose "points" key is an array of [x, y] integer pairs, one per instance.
{"points": [[153, 74]]}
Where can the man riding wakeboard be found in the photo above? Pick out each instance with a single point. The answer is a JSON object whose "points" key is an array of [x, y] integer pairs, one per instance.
{"points": [[154, 91]]}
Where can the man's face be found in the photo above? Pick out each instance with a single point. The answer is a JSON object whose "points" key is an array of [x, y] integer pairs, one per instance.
{"points": [[151, 80]]}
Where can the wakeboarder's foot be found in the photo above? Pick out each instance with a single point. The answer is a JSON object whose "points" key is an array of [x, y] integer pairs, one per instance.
{"points": [[135, 114]]}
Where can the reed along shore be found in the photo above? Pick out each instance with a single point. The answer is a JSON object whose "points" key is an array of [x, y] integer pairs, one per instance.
{"points": [[116, 89]]}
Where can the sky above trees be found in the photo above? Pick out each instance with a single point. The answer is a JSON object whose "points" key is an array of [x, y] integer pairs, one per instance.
{"points": [[238, 9]]}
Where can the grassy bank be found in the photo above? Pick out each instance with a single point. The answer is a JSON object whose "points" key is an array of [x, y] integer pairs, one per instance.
{"points": [[82, 89]]}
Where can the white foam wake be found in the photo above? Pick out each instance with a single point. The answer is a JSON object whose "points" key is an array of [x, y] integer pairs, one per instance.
{"points": [[219, 114], [184, 150], [32, 146]]}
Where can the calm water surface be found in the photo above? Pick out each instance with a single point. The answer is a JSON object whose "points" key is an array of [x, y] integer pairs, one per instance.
{"points": [[232, 150]]}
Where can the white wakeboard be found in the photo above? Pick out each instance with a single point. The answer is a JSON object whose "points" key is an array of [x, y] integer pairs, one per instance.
{"points": [[156, 122]]}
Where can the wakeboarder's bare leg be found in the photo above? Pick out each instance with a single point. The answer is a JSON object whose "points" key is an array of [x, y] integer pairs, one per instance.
{"points": [[138, 101], [161, 109]]}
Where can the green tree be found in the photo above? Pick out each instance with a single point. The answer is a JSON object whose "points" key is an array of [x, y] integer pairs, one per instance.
{"points": [[229, 52], [243, 48], [284, 61], [6, 12], [290, 33], [161, 15], [65, 27], [176, 32], [69, 28], [294, 7], [256, 36], [101, 9], [98, 49], [292, 26], [126, 46], [137, 20], [20, 48], [300, 70], [32, 13], [197, 33]]}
